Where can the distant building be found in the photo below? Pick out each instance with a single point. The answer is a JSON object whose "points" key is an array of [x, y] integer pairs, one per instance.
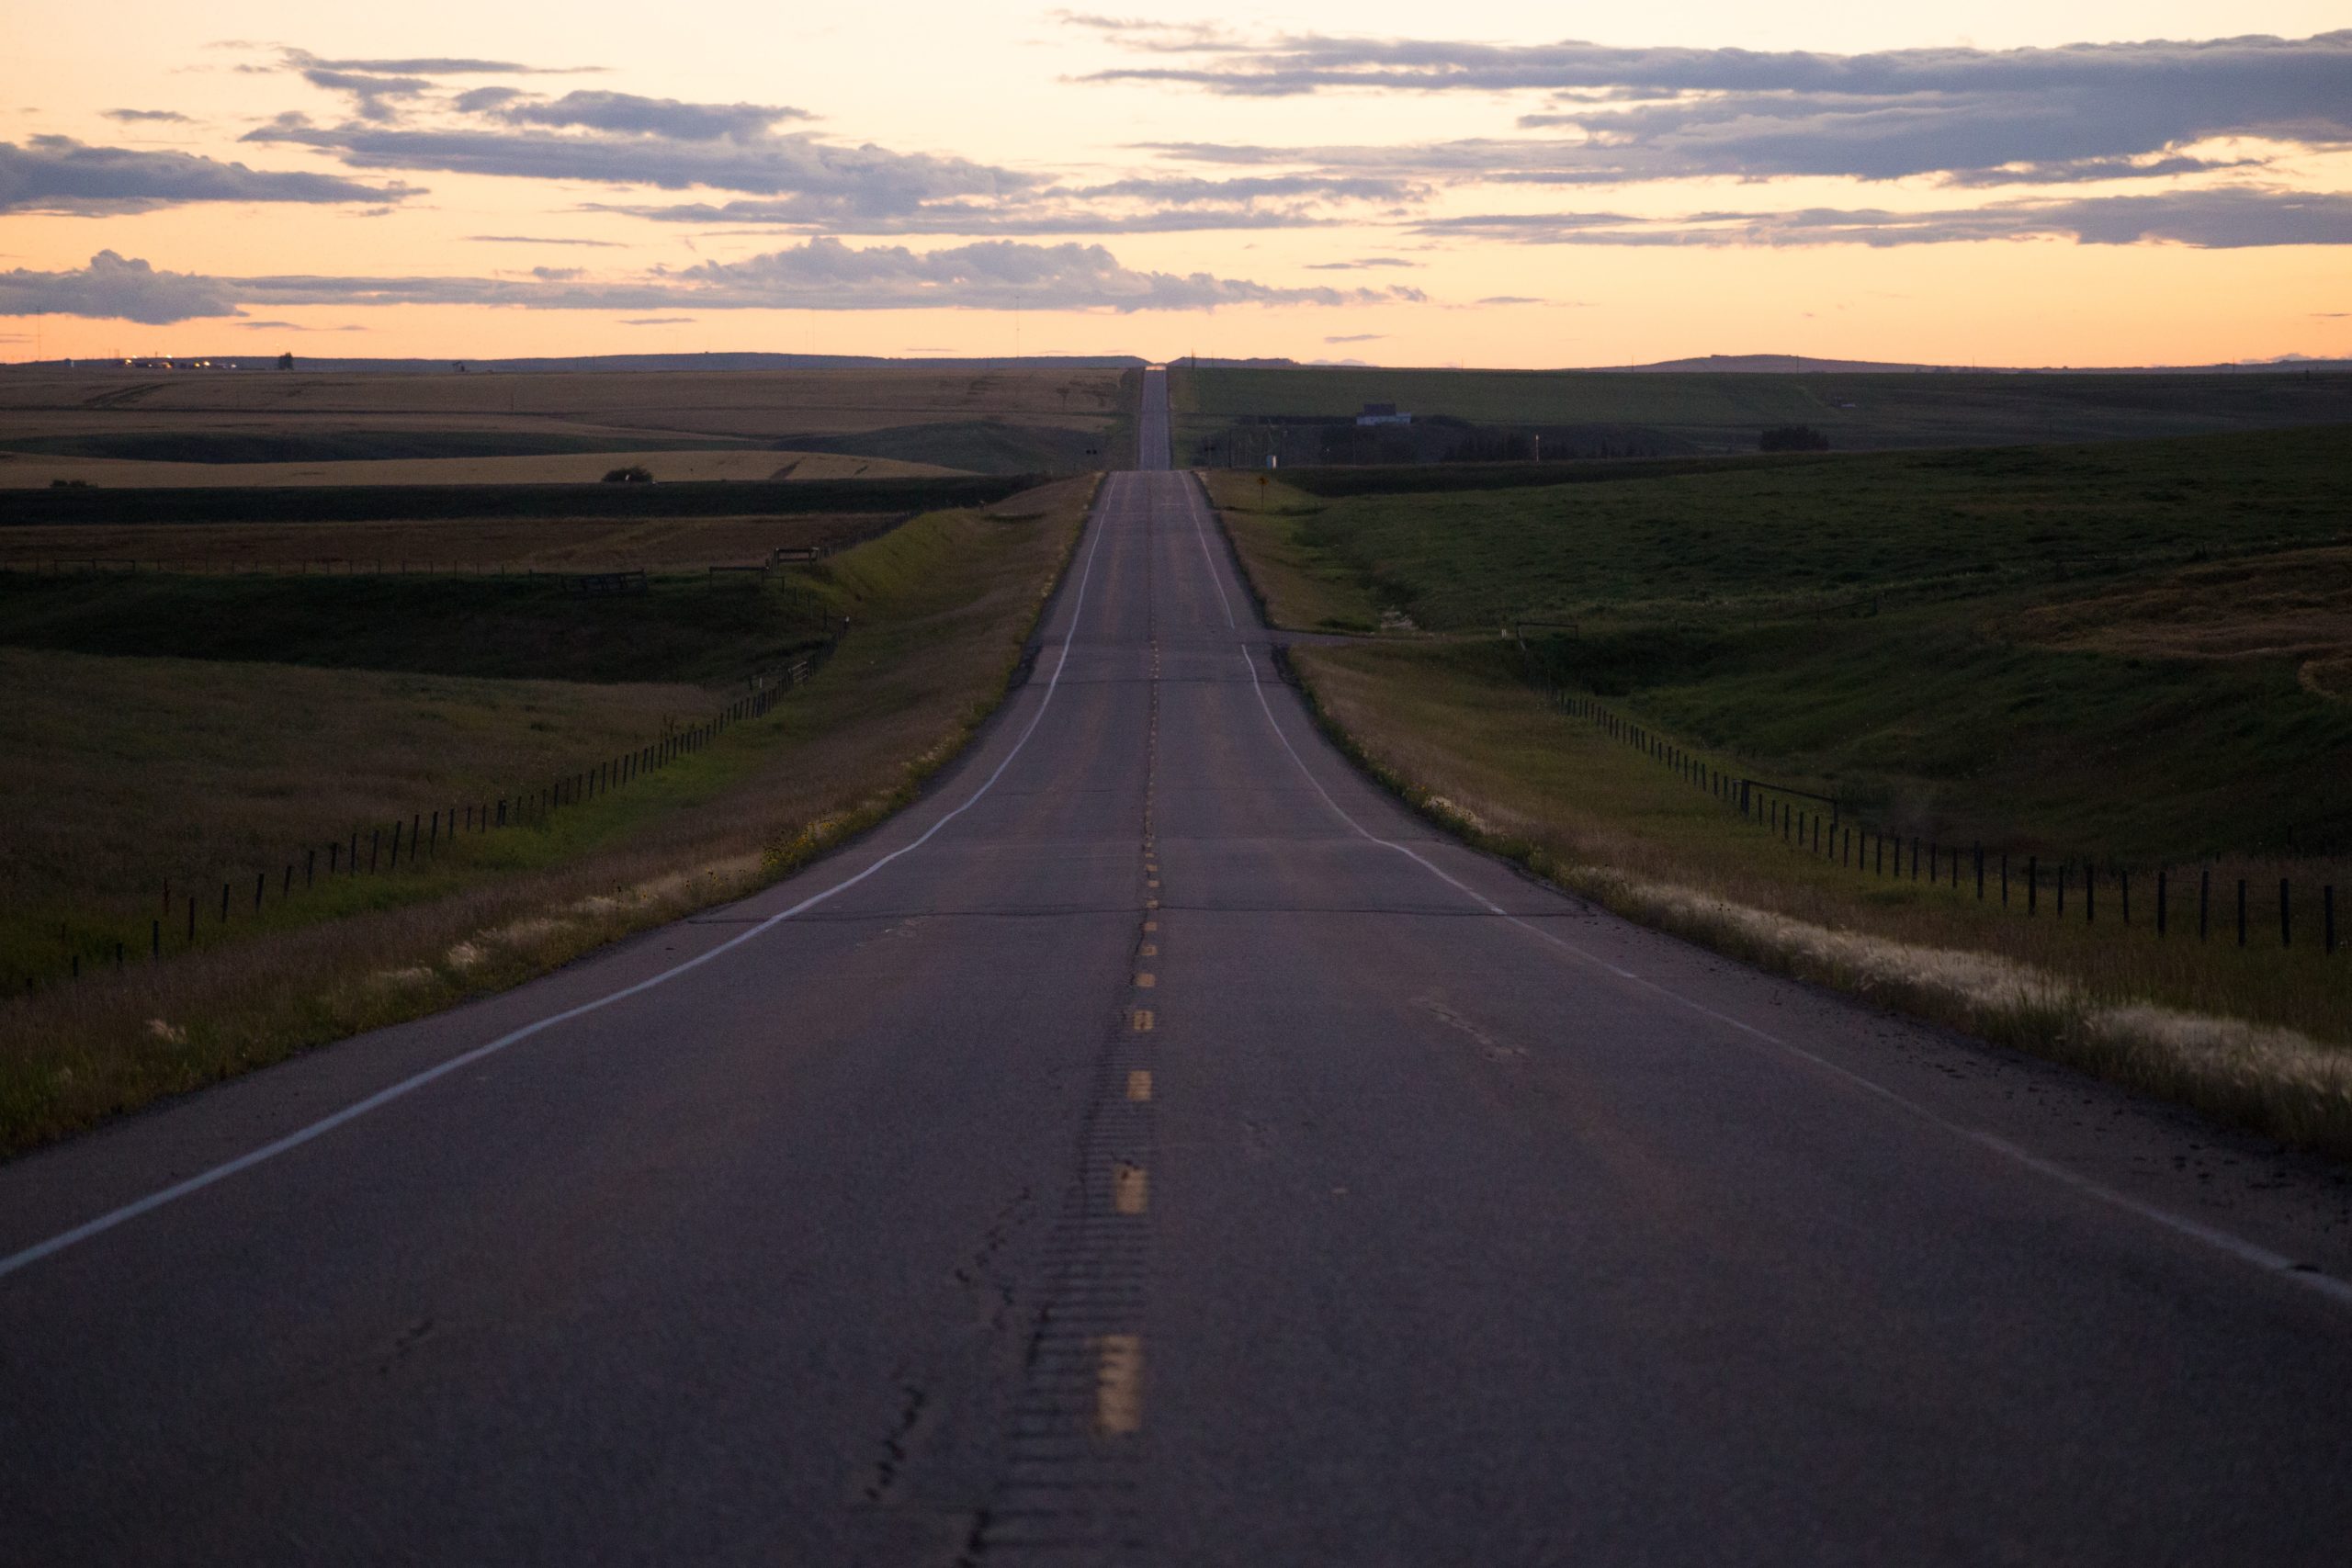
{"points": [[1383, 413]]}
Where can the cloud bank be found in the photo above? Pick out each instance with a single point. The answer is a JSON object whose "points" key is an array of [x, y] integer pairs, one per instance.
{"points": [[822, 275]]}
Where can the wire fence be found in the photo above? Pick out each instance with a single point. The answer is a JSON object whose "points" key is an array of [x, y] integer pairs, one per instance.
{"points": [[1821, 826], [191, 917]]}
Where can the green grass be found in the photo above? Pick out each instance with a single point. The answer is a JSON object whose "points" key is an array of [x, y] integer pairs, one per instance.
{"points": [[688, 628], [430, 503], [215, 762], [978, 446], [1867, 624], [342, 445], [1450, 728], [1727, 412]]}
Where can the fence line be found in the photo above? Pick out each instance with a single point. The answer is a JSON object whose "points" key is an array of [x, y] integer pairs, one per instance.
{"points": [[427, 832], [1834, 835]]}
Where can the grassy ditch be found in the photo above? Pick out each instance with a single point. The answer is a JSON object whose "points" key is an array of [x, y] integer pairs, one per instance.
{"points": [[2261, 1037], [938, 610], [2134, 651]]}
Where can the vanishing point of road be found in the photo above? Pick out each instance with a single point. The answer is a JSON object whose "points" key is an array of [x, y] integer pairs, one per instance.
{"points": [[1156, 1146]]}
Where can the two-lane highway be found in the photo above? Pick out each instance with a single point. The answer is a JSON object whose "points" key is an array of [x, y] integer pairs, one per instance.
{"points": [[1156, 1146]]}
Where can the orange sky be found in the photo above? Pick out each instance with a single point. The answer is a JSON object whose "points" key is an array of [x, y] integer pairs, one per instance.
{"points": [[949, 180]]}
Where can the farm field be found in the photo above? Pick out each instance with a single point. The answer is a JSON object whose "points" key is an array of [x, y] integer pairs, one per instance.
{"points": [[2128, 658], [136, 764], [23, 471], [1593, 412], [1972, 644], [492, 543], [1026, 420]]}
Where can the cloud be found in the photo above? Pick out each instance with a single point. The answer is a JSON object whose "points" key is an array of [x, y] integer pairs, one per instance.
{"points": [[659, 321], [858, 179], [541, 239], [56, 174], [115, 289], [1356, 337], [1511, 299], [1003, 219], [292, 327], [1144, 204], [821, 275], [1645, 114], [2205, 220], [149, 117], [994, 274], [632, 115], [1359, 263], [428, 65]]}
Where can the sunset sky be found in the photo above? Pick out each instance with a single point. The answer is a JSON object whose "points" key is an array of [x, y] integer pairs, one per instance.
{"points": [[1508, 185]]}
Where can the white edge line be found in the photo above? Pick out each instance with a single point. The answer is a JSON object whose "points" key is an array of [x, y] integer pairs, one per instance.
{"points": [[2251, 1253], [410, 1084]]}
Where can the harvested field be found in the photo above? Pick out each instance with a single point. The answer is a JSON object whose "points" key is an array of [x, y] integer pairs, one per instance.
{"points": [[33, 471], [587, 544], [290, 417]]}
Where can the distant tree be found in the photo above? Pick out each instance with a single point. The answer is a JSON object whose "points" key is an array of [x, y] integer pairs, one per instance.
{"points": [[635, 474], [286, 362], [1792, 438]]}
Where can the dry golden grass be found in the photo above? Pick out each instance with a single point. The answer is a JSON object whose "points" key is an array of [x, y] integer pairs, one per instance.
{"points": [[548, 544], [947, 601], [2258, 1035], [752, 403], [24, 471]]}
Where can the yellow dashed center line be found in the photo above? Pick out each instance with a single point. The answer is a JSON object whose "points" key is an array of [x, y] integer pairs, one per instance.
{"points": [[1118, 1385], [1151, 925], [1145, 980], [1148, 950], [1139, 1084], [1143, 1021], [1130, 1188]]}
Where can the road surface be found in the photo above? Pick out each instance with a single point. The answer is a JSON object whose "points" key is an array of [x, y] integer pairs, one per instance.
{"points": [[1156, 1147]]}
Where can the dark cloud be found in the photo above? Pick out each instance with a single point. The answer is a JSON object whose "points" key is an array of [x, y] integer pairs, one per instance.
{"points": [[658, 321], [2205, 220], [56, 174], [1176, 191], [1677, 113], [291, 327], [1144, 204], [992, 275], [149, 117], [541, 239], [861, 178], [115, 289], [372, 98], [480, 100], [629, 114], [1001, 219], [822, 275], [428, 65]]}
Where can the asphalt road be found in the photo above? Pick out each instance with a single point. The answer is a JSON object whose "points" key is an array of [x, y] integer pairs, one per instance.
{"points": [[1156, 1147]]}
